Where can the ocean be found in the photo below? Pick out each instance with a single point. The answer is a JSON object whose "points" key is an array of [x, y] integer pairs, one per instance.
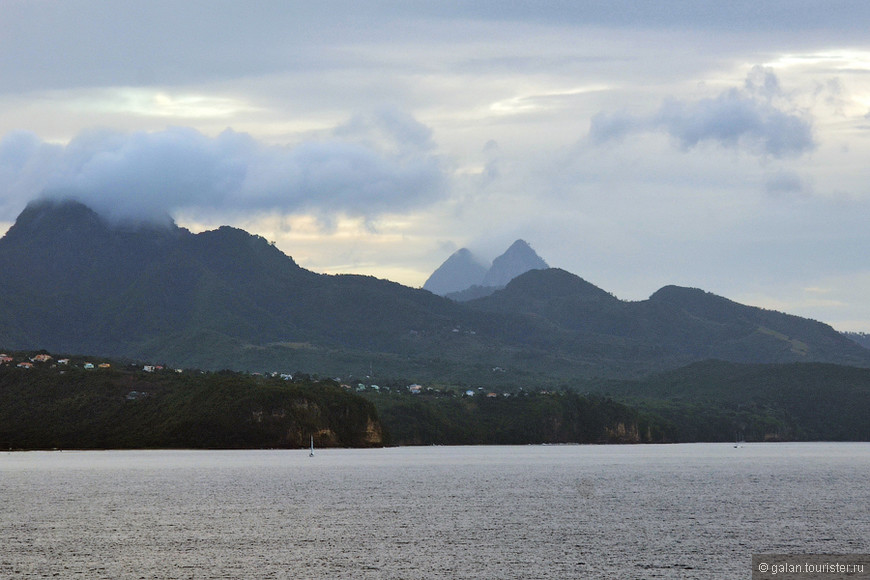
{"points": [[537, 512]]}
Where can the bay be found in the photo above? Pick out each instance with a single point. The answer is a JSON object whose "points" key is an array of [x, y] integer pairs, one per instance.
{"points": [[572, 511]]}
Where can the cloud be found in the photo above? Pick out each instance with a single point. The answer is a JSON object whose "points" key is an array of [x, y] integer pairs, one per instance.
{"points": [[785, 184], [737, 119], [149, 174], [23, 162], [388, 128], [762, 81]]}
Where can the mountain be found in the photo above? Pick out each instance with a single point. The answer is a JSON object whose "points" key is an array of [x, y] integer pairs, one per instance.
{"points": [[717, 400], [75, 283], [225, 299], [861, 338], [460, 271], [518, 259], [675, 324], [462, 276]]}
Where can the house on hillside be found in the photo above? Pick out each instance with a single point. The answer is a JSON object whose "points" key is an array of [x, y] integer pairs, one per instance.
{"points": [[42, 358], [25, 365], [5, 359]]}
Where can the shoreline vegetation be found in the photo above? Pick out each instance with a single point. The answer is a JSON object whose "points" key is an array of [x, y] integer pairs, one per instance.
{"points": [[83, 405], [50, 401]]}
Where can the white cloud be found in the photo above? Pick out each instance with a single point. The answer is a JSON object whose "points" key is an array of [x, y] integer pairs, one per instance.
{"points": [[785, 184], [363, 135], [745, 119], [150, 174]]}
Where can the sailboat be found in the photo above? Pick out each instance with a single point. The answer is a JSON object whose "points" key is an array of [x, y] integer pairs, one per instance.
{"points": [[311, 453]]}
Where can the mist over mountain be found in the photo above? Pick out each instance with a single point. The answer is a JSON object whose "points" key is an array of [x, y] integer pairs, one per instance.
{"points": [[460, 271], [462, 276], [141, 175], [73, 282], [861, 338], [517, 259]]}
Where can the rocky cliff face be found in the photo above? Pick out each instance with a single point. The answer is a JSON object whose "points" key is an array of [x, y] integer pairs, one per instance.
{"points": [[374, 433]]}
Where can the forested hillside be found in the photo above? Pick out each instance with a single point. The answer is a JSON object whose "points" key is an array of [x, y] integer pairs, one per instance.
{"points": [[721, 401], [78, 404], [512, 419], [72, 282]]}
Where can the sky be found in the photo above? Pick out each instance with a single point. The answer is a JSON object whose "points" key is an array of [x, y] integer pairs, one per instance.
{"points": [[716, 145]]}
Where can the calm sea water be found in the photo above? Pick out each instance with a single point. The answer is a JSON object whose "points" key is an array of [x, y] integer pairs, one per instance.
{"points": [[644, 511]]}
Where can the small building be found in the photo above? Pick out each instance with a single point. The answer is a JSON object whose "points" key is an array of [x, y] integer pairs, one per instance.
{"points": [[104, 366], [41, 358], [89, 366], [25, 365]]}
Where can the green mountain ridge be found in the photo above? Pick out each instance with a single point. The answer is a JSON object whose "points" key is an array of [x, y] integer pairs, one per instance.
{"points": [[226, 299], [719, 401]]}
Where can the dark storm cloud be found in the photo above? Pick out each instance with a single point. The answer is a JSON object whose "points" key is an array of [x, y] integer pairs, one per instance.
{"points": [[149, 174]]}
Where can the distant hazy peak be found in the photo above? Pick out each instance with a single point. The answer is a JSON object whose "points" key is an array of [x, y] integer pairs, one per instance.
{"points": [[463, 270], [460, 271], [518, 259], [464, 254]]}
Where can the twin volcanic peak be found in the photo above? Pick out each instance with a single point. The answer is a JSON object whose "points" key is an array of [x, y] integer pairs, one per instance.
{"points": [[464, 273], [72, 282]]}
